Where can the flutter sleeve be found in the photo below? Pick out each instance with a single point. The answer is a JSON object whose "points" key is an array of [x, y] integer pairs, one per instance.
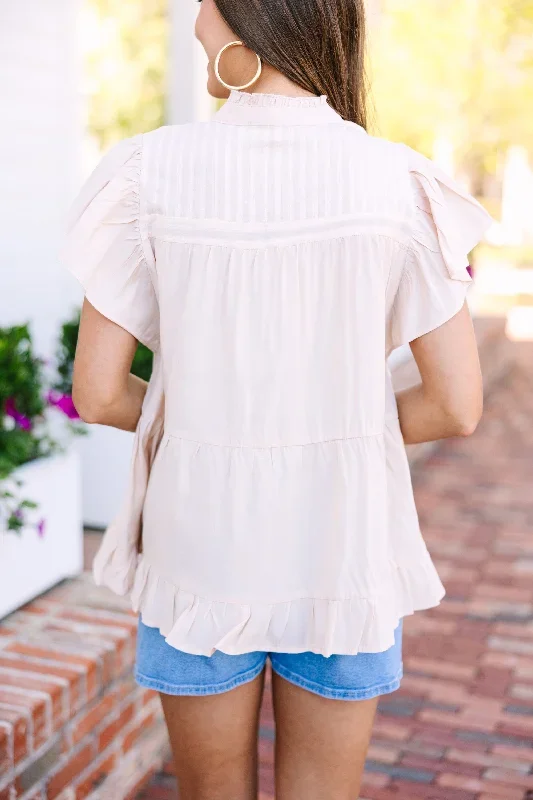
{"points": [[447, 223], [105, 248]]}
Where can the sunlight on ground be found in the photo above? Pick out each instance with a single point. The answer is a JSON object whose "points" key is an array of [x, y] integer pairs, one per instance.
{"points": [[520, 324]]}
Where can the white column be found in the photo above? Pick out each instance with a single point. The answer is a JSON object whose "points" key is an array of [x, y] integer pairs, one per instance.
{"points": [[188, 100], [41, 129]]}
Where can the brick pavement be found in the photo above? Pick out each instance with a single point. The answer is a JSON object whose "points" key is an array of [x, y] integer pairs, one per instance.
{"points": [[461, 727]]}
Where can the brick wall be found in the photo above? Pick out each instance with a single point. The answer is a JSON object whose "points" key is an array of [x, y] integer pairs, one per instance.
{"points": [[70, 713]]}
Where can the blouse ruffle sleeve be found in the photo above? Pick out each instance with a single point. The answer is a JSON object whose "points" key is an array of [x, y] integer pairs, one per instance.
{"points": [[105, 247], [447, 224]]}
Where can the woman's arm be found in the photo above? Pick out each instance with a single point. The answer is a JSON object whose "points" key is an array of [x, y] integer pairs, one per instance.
{"points": [[104, 391], [449, 401]]}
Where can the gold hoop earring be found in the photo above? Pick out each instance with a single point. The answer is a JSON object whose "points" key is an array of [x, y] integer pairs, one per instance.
{"points": [[228, 85]]}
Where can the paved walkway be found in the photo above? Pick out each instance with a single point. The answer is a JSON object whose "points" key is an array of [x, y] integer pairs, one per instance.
{"points": [[461, 727]]}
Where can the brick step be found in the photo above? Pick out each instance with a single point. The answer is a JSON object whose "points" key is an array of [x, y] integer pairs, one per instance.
{"points": [[71, 715]]}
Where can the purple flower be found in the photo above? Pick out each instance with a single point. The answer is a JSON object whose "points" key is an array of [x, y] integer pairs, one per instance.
{"points": [[64, 403], [41, 528], [470, 271], [20, 419]]}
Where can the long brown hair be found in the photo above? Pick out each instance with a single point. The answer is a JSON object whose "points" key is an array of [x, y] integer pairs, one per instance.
{"points": [[317, 44]]}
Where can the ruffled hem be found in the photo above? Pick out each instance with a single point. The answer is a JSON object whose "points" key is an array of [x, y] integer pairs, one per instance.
{"points": [[115, 566], [198, 625]]}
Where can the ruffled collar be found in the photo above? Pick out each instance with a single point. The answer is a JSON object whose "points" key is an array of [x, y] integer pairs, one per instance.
{"points": [[245, 108]]}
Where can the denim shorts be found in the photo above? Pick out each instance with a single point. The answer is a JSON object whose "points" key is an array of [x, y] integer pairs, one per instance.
{"points": [[361, 677]]}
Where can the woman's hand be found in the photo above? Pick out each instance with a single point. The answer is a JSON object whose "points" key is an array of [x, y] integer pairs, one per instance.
{"points": [[449, 401], [104, 391]]}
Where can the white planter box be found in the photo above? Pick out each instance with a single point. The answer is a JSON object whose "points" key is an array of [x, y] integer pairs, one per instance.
{"points": [[106, 458], [30, 564]]}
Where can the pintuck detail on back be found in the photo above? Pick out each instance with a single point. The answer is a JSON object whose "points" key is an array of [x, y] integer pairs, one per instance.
{"points": [[272, 259]]}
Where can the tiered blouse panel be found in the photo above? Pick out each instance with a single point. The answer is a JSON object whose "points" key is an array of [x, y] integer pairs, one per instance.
{"points": [[272, 258]]}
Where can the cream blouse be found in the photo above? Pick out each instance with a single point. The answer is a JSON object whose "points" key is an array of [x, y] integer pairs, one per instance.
{"points": [[272, 258]]}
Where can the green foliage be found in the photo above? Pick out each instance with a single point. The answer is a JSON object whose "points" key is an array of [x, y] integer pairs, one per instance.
{"points": [[20, 371], [21, 384], [65, 354], [126, 59], [15, 510], [23, 437], [143, 363]]}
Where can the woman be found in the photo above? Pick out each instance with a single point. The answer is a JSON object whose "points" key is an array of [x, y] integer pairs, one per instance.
{"points": [[272, 258]]}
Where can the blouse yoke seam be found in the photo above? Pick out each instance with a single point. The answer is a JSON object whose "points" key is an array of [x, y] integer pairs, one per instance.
{"points": [[191, 240], [275, 446]]}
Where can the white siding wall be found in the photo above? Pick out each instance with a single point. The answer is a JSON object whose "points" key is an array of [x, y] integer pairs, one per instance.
{"points": [[41, 125], [187, 98], [374, 10]]}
